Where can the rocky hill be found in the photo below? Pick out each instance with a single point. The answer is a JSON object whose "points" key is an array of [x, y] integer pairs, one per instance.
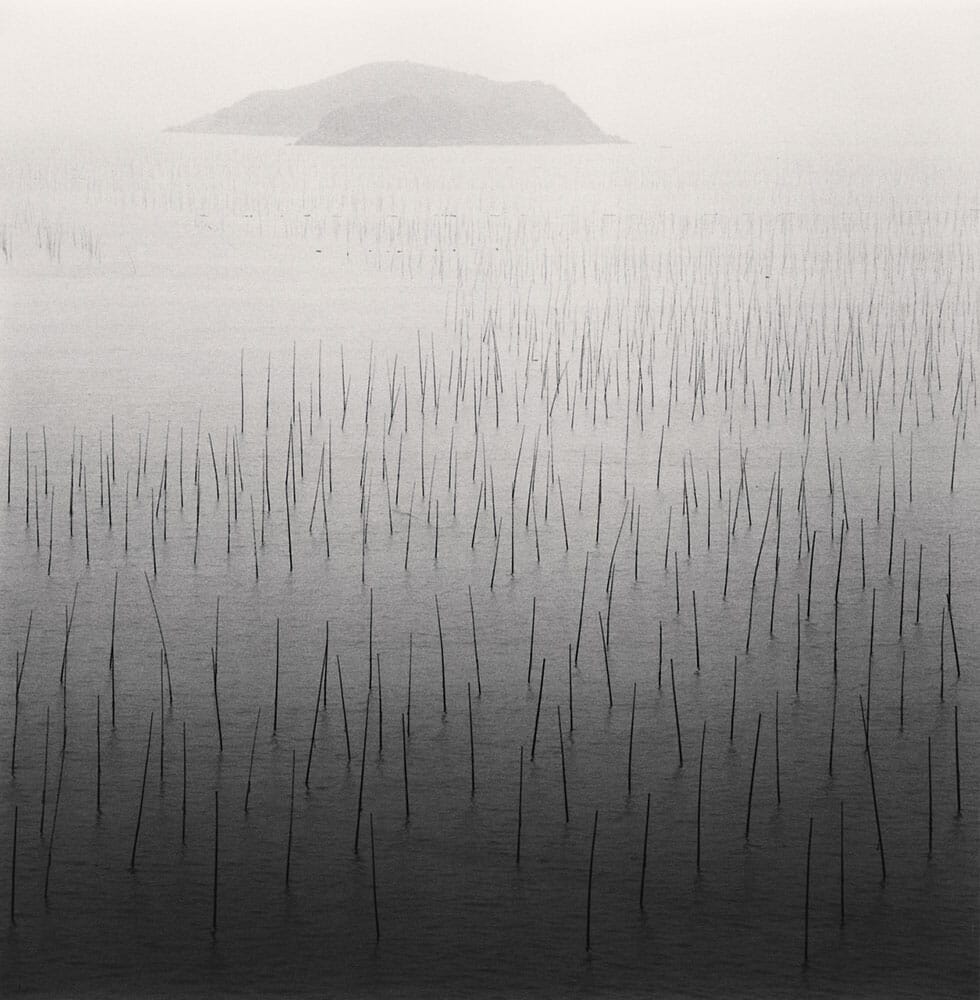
{"points": [[406, 104]]}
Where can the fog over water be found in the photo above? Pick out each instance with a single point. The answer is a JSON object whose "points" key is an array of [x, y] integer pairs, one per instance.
{"points": [[822, 74], [490, 571]]}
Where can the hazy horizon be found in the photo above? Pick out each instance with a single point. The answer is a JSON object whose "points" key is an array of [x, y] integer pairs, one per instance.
{"points": [[366, 730], [876, 74]]}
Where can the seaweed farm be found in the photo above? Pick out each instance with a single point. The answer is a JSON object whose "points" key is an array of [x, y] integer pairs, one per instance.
{"points": [[465, 573]]}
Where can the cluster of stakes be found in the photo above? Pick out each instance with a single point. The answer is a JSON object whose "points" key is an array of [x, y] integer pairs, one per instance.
{"points": [[393, 465]]}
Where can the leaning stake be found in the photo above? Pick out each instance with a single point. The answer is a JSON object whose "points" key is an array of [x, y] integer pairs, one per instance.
{"points": [[588, 904], [139, 815]]}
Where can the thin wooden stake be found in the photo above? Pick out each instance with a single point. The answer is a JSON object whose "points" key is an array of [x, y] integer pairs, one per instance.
{"points": [[476, 652], [697, 638], [874, 799], [778, 795], [561, 747], [952, 632], [677, 719], [183, 806], [581, 610], [98, 756], [44, 778], [842, 862], [571, 703], [469, 703], [292, 800], [405, 767], [360, 790], [520, 805], [442, 655], [530, 654], [343, 706], [929, 753], [13, 872], [956, 737], [806, 910], [374, 883], [139, 815], [588, 904], [214, 888], [321, 685], [755, 755], [629, 764], [646, 835], [251, 758]]}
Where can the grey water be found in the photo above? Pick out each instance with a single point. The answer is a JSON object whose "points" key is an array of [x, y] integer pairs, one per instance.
{"points": [[769, 355]]}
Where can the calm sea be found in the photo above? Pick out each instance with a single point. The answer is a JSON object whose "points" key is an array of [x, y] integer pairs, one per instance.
{"points": [[454, 489]]}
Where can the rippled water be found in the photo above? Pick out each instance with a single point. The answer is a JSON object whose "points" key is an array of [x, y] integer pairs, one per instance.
{"points": [[151, 288]]}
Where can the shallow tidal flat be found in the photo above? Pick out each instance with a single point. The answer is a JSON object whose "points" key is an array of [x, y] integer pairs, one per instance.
{"points": [[440, 572]]}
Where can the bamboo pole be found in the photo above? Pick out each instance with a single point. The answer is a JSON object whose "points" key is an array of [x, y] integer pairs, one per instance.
{"points": [[442, 655], [833, 728], [275, 699], [214, 888], [183, 809], [321, 685], [581, 610], [929, 754], [798, 639], [374, 883], [629, 764], [809, 586], [778, 793], [162, 726], [44, 778], [918, 587], [469, 703], [646, 834], [842, 862], [50, 529], [360, 790], [57, 804], [405, 767], [520, 806], [343, 706], [13, 872], [380, 708], [571, 703], [251, 757], [956, 737], [139, 814], [476, 652], [564, 781], [806, 910], [530, 654], [755, 755], [901, 603], [588, 905], [408, 706], [952, 632], [677, 720], [704, 730], [98, 756], [605, 657], [731, 723], [217, 707], [697, 638], [163, 641], [292, 800], [874, 799]]}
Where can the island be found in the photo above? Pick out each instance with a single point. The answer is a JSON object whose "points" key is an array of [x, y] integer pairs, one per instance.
{"points": [[408, 104]]}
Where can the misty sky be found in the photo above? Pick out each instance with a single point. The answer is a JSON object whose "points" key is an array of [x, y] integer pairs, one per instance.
{"points": [[657, 72]]}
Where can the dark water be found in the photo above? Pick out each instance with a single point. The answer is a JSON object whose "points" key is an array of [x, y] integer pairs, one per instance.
{"points": [[178, 272]]}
